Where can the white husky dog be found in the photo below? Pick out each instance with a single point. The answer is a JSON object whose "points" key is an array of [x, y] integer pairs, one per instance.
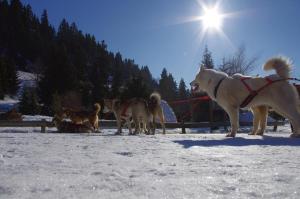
{"points": [[240, 91]]}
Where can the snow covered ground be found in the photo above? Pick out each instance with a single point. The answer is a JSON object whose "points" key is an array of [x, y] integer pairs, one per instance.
{"points": [[53, 165]]}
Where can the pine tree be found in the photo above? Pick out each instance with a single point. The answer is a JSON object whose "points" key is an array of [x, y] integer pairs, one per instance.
{"points": [[29, 102], [8, 77], [117, 75], [167, 86], [207, 60], [59, 75], [47, 31], [4, 24], [63, 31], [136, 88], [56, 104], [182, 110], [3, 76], [12, 79], [183, 92], [147, 77]]}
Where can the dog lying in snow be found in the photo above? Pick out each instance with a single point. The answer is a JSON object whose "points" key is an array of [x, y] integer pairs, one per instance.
{"points": [[70, 127], [80, 117], [237, 91], [11, 115]]}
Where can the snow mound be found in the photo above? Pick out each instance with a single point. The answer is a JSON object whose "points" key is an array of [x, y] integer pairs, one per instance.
{"points": [[36, 118], [7, 103], [25, 76]]}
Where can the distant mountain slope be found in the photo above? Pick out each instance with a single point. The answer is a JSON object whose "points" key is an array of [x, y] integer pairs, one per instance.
{"points": [[26, 80]]}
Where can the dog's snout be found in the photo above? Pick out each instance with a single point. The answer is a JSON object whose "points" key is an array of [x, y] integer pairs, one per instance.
{"points": [[194, 86], [192, 83]]}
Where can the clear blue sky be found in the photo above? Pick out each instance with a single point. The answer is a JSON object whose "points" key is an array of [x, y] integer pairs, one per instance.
{"points": [[149, 31]]}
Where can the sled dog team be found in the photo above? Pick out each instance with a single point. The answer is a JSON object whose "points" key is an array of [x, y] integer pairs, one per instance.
{"points": [[141, 112], [230, 92]]}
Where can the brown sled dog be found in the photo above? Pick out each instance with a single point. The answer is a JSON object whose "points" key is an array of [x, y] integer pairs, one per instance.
{"points": [[11, 115], [135, 109], [79, 117], [70, 127], [156, 110]]}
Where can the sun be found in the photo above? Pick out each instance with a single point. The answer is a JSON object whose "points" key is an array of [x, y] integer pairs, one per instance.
{"points": [[212, 18]]}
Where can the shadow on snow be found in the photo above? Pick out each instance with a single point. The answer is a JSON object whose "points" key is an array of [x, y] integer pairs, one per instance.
{"points": [[265, 141]]}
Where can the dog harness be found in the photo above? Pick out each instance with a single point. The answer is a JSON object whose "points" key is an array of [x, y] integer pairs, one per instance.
{"points": [[217, 87], [124, 111], [254, 93]]}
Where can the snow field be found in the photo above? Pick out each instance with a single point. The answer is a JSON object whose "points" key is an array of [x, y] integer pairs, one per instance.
{"points": [[53, 165]]}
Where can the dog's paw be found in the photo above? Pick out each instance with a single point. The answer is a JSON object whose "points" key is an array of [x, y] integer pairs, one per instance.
{"points": [[260, 133], [232, 135]]}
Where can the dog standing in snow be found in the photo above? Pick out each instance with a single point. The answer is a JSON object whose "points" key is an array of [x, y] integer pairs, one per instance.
{"points": [[143, 113], [135, 109], [233, 93], [156, 110]]}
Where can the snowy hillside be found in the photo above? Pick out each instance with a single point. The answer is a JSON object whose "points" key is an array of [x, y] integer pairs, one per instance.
{"points": [[26, 80], [52, 165]]}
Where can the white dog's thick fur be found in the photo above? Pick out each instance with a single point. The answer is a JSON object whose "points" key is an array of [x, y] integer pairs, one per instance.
{"points": [[280, 95]]}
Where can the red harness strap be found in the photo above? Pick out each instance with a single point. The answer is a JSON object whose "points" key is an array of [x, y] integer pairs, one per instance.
{"points": [[123, 113], [254, 93], [245, 83]]}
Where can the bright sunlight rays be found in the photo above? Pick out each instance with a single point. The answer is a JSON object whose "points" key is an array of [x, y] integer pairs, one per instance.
{"points": [[212, 18]]}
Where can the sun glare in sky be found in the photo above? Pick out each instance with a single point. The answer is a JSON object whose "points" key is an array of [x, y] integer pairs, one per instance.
{"points": [[212, 18]]}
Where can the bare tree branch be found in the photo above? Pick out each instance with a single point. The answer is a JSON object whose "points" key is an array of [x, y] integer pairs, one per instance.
{"points": [[238, 63]]}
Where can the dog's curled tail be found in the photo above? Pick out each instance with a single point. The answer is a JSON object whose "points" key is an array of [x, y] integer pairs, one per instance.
{"points": [[281, 65], [97, 108], [155, 98]]}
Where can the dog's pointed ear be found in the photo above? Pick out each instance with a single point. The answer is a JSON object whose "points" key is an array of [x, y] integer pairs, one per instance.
{"points": [[202, 67]]}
